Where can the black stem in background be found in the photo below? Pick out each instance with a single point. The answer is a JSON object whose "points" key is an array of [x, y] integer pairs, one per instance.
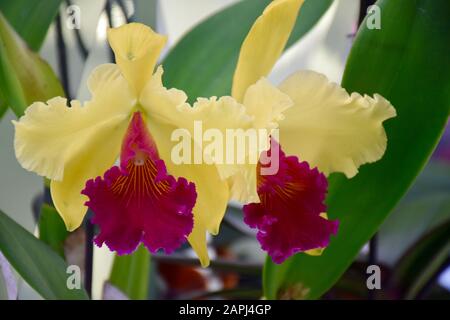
{"points": [[431, 282], [62, 57], [124, 10], [364, 4], [373, 248], [108, 10], [223, 265], [88, 254], [80, 43]]}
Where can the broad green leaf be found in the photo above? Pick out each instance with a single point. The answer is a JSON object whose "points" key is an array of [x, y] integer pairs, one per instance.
{"points": [[130, 274], [422, 260], [203, 62], [408, 62], [42, 268], [24, 76], [52, 230], [10, 86], [31, 19]]}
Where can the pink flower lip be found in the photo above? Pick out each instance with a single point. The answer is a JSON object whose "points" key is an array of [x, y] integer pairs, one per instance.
{"points": [[139, 201], [288, 215]]}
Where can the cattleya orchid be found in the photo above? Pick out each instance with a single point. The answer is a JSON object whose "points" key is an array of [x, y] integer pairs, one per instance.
{"points": [[130, 115], [151, 198], [318, 122]]}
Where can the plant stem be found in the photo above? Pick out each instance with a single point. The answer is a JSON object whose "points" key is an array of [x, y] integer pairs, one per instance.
{"points": [[62, 57], [108, 10], [80, 43]]}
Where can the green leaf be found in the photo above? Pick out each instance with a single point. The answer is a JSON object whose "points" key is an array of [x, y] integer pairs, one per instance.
{"points": [[42, 268], [203, 62], [130, 274], [31, 19], [52, 230], [422, 261], [24, 76], [407, 61], [10, 87], [3, 104]]}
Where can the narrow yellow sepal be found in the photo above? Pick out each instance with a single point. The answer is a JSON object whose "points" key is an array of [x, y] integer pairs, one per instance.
{"points": [[264, 44], [136, 48]]}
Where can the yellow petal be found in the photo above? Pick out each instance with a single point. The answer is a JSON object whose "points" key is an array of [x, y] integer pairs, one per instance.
{"points": [[331, 129], [92, 159], [266, 104], [264, 44], [197, 240], [161, 103], [243, 184], [73, 144], [136, 48], [49, 135], [212, 192]]}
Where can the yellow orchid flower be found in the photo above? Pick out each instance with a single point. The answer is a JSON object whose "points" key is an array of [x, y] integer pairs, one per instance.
{"points": [[130, 116], [324, 126]]}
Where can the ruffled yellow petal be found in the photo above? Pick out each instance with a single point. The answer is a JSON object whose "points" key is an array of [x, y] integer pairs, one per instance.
{"points": [[136, 48], [49, 135], [266, 104], [331, 129], [73, 144], [161, 103], [264, 44]]}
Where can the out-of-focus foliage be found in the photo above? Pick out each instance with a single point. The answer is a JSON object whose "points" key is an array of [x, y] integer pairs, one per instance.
{"points": [[31, 19], [24, 76], [42, 268]]}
